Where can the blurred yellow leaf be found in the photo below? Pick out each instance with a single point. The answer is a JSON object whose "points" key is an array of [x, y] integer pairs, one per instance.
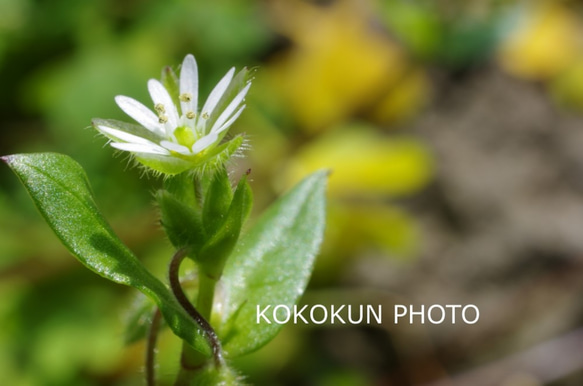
{"points": [[371, 225], [545, 42], [567, 88], [404, 99], [364, 228], [363, 162], [339, 64]]}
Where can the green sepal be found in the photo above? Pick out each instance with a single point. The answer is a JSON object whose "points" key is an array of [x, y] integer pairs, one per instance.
{"points": [[217, 201], [218, 156], [170, 82], [218, 248], [246, 200], [203, 164], [162, 164], [181, 222]]}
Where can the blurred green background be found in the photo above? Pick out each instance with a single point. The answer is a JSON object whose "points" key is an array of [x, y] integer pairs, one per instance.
{"points": [[455, 136]]}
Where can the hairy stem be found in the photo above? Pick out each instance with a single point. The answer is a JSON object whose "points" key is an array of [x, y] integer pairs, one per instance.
{"points": [[189, 308], [151, 348]]}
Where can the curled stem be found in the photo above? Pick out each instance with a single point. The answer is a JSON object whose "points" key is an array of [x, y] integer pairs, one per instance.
{"points": [[151, 348], [190, 309]]}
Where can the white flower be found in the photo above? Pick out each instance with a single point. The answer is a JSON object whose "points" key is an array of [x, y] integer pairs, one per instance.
{"points": [[175, 136]]}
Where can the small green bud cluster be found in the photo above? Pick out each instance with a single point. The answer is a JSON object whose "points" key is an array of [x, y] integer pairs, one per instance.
{"points": [[207, 219]]}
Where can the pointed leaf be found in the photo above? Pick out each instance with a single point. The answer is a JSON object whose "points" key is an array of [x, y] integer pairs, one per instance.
{"points": [[61, 192], [183, 188], [272, 264], [219, 247], [181, 222], [217, 200]]}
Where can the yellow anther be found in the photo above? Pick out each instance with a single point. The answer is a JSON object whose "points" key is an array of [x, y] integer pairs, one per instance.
{"points": [[185, 97], [163, 119], [190, 115], [205, 116], [160, 108]]}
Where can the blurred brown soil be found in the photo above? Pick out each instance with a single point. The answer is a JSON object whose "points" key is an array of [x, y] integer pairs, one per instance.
{"points": [[502, 223]]}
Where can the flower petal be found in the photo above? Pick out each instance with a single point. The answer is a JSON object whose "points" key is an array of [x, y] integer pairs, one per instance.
{"points": [[140, 148], [217, 93], [227, 124], [123, 136], [189, 84], [175, 147], [230, 108], [140, 113], [204, 142], [161, 97]]}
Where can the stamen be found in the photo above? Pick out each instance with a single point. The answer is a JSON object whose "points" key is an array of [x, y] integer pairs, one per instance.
{"points": [[205, 116], [163, 119], [185, 97], [160, 108], [190, 115]]}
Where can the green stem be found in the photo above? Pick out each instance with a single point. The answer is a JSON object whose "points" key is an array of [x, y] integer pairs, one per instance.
{"points": [[206, 294], [191, 360]]}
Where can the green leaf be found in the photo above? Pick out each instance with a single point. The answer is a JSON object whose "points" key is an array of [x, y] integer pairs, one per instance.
{"points": [[272, 264], [61, 192], [217, 200], [182, 187], [181, 222], [219, 247]]}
